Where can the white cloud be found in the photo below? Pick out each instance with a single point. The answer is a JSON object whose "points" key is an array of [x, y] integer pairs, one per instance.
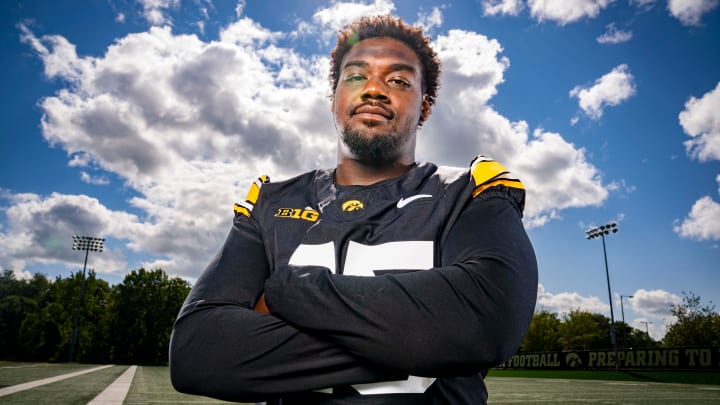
{"points": [[504, 7], [643, 4], [39, 230], [563, 303], [333, 18], [22, 275], [609, 90], [565, 12], [430, 20], [654, 303], [654, 306], [701, 121], [187, 124], [655, 328], [154, 10], [240, 8], [473, 68], [98, 180], [703, 221], [612, 35], [690, 12]]}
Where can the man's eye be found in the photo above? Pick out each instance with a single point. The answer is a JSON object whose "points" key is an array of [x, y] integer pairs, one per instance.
{"points": [[400, 82], [354, 78]]}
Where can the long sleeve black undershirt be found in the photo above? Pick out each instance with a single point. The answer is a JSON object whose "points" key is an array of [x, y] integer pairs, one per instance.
{"points": [[463, 317], [328, 330]]}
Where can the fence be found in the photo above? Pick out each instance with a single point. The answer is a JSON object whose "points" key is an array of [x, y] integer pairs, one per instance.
{"points": [[680, 358]]}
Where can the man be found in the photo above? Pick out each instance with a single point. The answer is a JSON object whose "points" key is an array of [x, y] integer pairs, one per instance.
{"points": [[382, 281]]}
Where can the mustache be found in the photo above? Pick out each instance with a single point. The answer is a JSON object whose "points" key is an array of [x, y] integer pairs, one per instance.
{"points": [[374, 104]]}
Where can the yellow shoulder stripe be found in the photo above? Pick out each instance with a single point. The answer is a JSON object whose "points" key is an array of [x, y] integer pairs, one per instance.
{"points": [[487, 173], [246, 207]]}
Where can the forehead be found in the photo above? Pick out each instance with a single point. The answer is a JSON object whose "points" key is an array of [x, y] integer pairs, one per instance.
{"points": [[381, 50]]}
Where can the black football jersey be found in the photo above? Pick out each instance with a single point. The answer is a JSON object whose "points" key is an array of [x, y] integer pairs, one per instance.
{"points": [[402, 292]]}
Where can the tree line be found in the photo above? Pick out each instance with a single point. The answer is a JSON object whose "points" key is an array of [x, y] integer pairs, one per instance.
{"points": [[127, 323], [131, 322], [697, 324]]}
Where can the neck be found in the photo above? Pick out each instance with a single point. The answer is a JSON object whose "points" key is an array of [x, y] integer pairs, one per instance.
{"points": [[356, 173]]}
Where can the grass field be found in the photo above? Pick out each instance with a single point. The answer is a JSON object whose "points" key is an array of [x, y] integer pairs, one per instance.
{"points": [[151, 385]]}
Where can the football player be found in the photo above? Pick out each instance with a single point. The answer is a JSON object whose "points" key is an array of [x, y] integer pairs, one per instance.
{"points": [[381, 281]]}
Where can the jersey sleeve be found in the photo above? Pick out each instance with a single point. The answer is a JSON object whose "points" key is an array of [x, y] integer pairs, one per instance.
{"points": [[466, 315], [222, 348]]}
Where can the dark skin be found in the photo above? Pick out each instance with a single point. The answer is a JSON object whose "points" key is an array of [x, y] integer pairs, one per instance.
{"points": [[379, 94]]}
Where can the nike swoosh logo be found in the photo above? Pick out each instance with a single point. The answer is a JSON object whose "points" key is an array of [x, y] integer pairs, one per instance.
{"points": [[405, 201]]}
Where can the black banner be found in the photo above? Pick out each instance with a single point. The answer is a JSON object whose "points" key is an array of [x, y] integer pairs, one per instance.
{"points": [[683, 358]]}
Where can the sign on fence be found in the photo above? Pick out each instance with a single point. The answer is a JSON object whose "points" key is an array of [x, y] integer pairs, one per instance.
{"points": [[683, 358]]}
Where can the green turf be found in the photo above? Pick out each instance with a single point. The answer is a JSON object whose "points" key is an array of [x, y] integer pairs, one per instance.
{"points": [[684, 377], [151, 385], [546, 391], [72, 391], [12, 373]]}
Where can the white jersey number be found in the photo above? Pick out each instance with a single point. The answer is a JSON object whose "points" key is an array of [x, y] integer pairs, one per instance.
{"points": [[364, 260]]}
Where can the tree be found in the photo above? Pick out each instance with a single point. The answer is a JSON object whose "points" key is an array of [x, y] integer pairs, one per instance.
{"points": [[543, 333], [696, 325], [18, 299], [146, 304], [94, 321], [582, 330]]}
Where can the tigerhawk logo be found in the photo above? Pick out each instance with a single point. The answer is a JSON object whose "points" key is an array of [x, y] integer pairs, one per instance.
{"points": [[352, 205], [298, 213]]}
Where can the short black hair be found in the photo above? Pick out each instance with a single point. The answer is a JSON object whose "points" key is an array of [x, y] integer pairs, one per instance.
{"points": [[388, 26]]}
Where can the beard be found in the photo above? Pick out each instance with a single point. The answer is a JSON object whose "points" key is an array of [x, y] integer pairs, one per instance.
{"points": [[379, 149]]}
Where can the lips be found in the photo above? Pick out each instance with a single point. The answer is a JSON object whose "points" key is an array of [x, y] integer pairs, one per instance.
{"points": [[374, 109]]}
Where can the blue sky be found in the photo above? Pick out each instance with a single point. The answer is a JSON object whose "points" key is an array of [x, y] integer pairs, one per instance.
{"points": [[143, 121]]}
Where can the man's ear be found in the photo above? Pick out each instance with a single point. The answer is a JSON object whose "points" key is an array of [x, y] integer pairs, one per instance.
{"points": [[424, 109]]}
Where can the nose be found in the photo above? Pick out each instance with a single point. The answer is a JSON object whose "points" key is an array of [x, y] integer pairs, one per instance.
{"points": [[374, 89]]}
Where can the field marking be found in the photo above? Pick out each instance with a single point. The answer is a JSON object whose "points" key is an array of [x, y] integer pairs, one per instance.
{"points": [[32, 384], [116, 392], [30, 365]]}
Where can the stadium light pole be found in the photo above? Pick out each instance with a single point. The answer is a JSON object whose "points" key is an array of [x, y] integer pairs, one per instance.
{"points": [[622, 310], [88, 244], [600, 232], [647, 330]]}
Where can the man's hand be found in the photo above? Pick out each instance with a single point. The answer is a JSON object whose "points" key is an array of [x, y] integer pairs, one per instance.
{"points": [[260, 305]]}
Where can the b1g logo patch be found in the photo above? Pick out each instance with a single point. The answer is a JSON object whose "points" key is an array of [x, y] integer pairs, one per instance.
{"points": [[352, 205], [306, 214]]}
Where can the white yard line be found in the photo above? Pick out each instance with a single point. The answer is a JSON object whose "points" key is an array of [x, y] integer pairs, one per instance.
{"points": [[116, 392], [32, 384]]}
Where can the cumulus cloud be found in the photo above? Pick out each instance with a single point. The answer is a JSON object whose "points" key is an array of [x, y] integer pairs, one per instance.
{"points": [[502, 7], [565, 12], [701, 121], [609, 90], [703, 221], [690, 12], [654, 303], [563, 303], [186, 124], [473, 69], [612, 35], [39, 230], [331, 19]]}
